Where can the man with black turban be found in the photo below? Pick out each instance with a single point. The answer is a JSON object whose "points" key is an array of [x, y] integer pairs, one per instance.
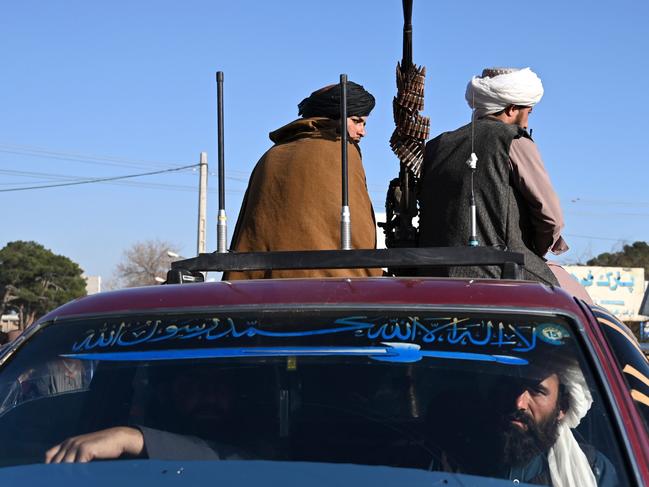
{"points": [[326, 102], [293, 199]]}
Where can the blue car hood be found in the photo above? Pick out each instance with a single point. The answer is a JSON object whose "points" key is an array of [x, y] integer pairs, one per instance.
{"points": [[138, 473]]}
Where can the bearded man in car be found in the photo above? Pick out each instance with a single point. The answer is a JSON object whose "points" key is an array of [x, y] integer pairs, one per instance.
{"points": [[526, 430]]}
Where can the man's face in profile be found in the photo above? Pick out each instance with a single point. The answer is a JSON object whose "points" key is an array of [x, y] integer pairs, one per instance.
{"points": [[530, 427], [201, 401], [203, 397], [521, 116], [356, 127]]}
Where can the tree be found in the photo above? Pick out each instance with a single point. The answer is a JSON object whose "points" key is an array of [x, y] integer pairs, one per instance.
{"points": [[634, 255], [34, 280], [143, 262]]}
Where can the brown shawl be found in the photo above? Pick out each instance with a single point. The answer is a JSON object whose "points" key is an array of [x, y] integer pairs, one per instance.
{"points": [[293, 199]]}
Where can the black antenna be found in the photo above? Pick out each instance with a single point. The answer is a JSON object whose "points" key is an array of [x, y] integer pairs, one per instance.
{"points": [[345, 216], [222, 224]]}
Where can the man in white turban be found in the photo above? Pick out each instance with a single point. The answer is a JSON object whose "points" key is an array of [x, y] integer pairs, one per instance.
{"points": [[539, 446], [517, 207], [499, 88]]}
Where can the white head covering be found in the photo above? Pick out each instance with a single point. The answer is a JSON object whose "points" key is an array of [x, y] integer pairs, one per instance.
{"points": [[498, 88], [569, 466]]}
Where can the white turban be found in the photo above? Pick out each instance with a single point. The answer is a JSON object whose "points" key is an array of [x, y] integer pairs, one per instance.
{"points": [[569, 466], [498, 88]]}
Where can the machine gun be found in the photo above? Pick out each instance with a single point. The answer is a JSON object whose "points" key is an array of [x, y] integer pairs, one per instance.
{"points": [[407, 142]]}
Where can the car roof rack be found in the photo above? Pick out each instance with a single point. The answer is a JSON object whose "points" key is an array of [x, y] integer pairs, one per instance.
{"points": [[189, 270]]}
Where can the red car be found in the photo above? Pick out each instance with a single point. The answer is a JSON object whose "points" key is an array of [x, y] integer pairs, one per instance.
{"points": [[383, 381]]}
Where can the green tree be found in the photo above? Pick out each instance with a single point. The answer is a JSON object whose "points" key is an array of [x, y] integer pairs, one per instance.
{"points": [[634, 255], [34, 280]]}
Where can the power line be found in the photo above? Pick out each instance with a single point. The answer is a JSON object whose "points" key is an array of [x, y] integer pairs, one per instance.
{"points": [[60, 177], [587, 201], [22, 183], [572, 235], [88, 158], [98, 180], [50, 176], [234, 178], [78, 157], [600, 214]]}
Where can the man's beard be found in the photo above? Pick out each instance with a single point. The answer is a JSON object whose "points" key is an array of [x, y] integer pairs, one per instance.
{"points": [[519, 445]]}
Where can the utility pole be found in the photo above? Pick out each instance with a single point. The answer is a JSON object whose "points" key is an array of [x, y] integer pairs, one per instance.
{"points": [[202, 203]]}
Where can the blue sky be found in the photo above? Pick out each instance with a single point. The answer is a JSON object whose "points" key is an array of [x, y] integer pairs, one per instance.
{"points": [[102, 89]]}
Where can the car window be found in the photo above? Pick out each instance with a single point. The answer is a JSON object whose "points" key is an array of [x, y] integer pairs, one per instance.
{"points": [[631, 360], [481, 393], [58, 375]]}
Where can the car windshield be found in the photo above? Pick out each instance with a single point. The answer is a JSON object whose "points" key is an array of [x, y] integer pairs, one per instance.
{"points": [[481, 393]]}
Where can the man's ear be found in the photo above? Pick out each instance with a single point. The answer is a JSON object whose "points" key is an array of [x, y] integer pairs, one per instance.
{"points": [[563, 402], [509, 110]]}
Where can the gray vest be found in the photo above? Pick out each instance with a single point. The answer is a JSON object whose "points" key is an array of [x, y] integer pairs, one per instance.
{"points": [[503, 216]]}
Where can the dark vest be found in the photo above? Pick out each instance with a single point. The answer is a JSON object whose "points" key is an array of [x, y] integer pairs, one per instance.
{"points": [[503, 216]]}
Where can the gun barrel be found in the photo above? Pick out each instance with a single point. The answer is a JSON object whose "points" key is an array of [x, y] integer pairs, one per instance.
{"points": [[406, 59]]}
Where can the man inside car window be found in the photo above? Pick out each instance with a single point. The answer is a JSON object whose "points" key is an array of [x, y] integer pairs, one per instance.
{"points": [[189, 405], [538, 444], [519, 425], [531, 440]]}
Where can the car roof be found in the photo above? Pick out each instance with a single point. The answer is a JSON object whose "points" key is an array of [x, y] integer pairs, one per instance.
{"points": [[331, 291]]}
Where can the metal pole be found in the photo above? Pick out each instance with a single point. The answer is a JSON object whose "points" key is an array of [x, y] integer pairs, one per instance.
{"points": [[222, 224], [345, 215], [202, 204]]}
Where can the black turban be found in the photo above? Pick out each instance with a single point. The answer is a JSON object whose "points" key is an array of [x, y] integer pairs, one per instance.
{"points": [[326, 102]]}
